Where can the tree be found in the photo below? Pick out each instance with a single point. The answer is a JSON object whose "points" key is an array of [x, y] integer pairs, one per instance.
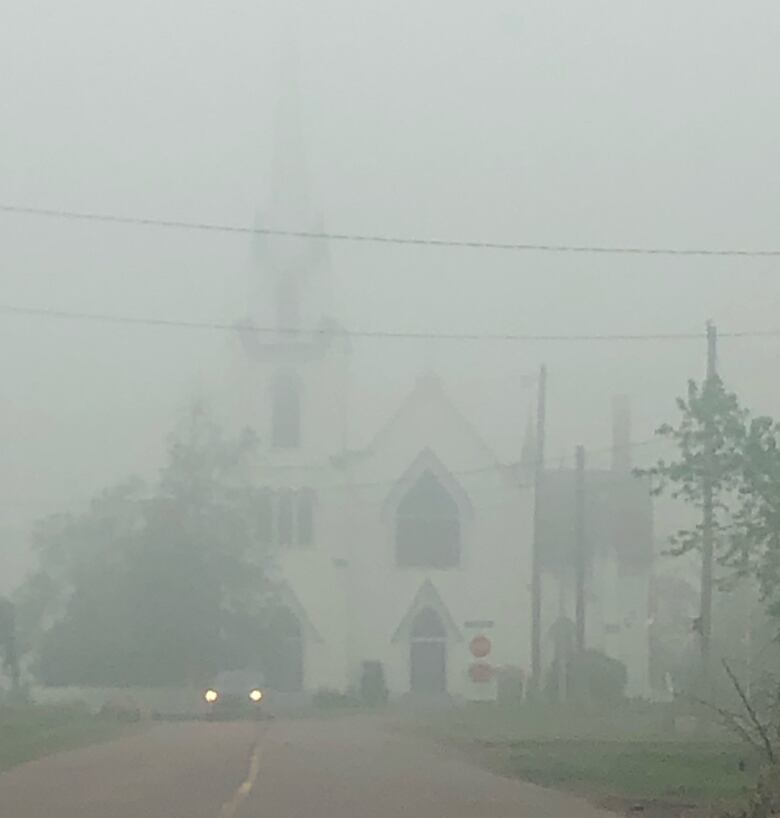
{"points": [[709, 439], [755, 539], [707, 475], [157, 585], [9, 654]]}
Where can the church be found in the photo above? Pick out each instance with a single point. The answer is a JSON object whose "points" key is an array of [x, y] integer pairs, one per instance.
{"points": [[413, 550]]}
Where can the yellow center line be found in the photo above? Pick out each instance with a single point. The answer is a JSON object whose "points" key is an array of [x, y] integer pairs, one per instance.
{"points": [[230, 808]]}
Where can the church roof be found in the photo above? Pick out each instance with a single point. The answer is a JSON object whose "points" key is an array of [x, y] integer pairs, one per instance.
{"points": [[429, 388]]}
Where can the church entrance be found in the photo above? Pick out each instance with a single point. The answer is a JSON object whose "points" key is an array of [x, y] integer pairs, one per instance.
{"points": [[283, 666], [428, 654]]}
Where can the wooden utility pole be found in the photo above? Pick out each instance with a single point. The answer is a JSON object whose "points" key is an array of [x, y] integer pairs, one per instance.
{"points": [[536, 559], [708, 520], [581, 545]]}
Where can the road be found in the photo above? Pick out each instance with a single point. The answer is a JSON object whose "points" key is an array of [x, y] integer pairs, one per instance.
{"points": [[340, 768]]}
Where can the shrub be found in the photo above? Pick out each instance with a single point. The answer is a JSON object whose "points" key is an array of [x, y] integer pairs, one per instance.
{"points": [[592, 675], [327, 698]]}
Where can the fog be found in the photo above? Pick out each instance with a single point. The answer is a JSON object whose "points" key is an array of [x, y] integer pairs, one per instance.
{"points": [[600, 123]]}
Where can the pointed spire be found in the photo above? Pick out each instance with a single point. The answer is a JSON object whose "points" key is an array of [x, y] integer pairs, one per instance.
{"points": [[291, 280], [290, 195]]}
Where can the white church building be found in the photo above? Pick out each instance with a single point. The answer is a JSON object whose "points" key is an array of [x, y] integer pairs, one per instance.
{"points": [[405, 549]]}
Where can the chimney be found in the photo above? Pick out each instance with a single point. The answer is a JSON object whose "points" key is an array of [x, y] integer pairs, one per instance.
{"points": [[621, 434]]}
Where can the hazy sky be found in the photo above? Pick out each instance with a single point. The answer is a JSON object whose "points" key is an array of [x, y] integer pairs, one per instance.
{"points": [[595, 122]]}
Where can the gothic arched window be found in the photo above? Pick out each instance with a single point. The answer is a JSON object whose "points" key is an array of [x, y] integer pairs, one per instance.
{"points": [[428, 530]]}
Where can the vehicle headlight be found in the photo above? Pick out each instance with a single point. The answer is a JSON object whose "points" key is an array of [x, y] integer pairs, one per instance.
{"points": [[211, 696], [256, 695]]}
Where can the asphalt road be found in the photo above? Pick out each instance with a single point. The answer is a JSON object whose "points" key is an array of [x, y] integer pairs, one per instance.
{"points": [[348, 768]]}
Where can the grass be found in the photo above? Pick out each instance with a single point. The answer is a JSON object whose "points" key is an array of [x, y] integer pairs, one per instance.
{"points": [[29, 732], [629, 752], [687, 771], [491, 721]]}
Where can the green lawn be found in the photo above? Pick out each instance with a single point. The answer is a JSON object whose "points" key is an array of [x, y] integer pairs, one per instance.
{"points": [[631, 751], [491, 721], [30, 732], [698, 772]]}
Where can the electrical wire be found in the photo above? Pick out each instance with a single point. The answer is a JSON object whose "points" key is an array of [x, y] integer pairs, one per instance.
{"points": [[366, 238], [105, 318], [506, 468]]}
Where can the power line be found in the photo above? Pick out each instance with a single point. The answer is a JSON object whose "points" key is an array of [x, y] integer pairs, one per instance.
{"points": [[494, 467], [105, 318], [368, 238]]}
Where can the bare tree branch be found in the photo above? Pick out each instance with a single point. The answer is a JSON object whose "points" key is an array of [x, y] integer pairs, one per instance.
{"points": [[732, 722], [761, 728]]}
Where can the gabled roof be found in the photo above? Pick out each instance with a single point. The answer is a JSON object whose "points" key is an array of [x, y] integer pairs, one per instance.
{"points": [[430, 388], [427, 597], [427, 461]]}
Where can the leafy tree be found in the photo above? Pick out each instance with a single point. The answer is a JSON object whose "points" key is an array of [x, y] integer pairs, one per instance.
{"points": [[709, 439], [755, 539], [9, 654], [156, 585]]}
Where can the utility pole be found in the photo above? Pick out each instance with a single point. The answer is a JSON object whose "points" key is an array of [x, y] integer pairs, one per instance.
{"points": [[562, 645], [708, 520], [536, 559], [581, 545]]}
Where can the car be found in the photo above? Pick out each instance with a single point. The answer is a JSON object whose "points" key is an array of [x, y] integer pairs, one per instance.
{"points": [[236, 694]]}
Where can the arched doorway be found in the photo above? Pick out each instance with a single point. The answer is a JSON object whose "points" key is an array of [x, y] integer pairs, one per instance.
{"points": [[283, 668], [428, 654]]}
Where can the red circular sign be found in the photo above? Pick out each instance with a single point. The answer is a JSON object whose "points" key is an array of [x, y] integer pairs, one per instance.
{"points": [[480, 646], [480, 673]]}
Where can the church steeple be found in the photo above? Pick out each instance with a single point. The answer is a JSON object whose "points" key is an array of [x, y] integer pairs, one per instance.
{"points": [[290, 199], [299, 379], [291, 280]]}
